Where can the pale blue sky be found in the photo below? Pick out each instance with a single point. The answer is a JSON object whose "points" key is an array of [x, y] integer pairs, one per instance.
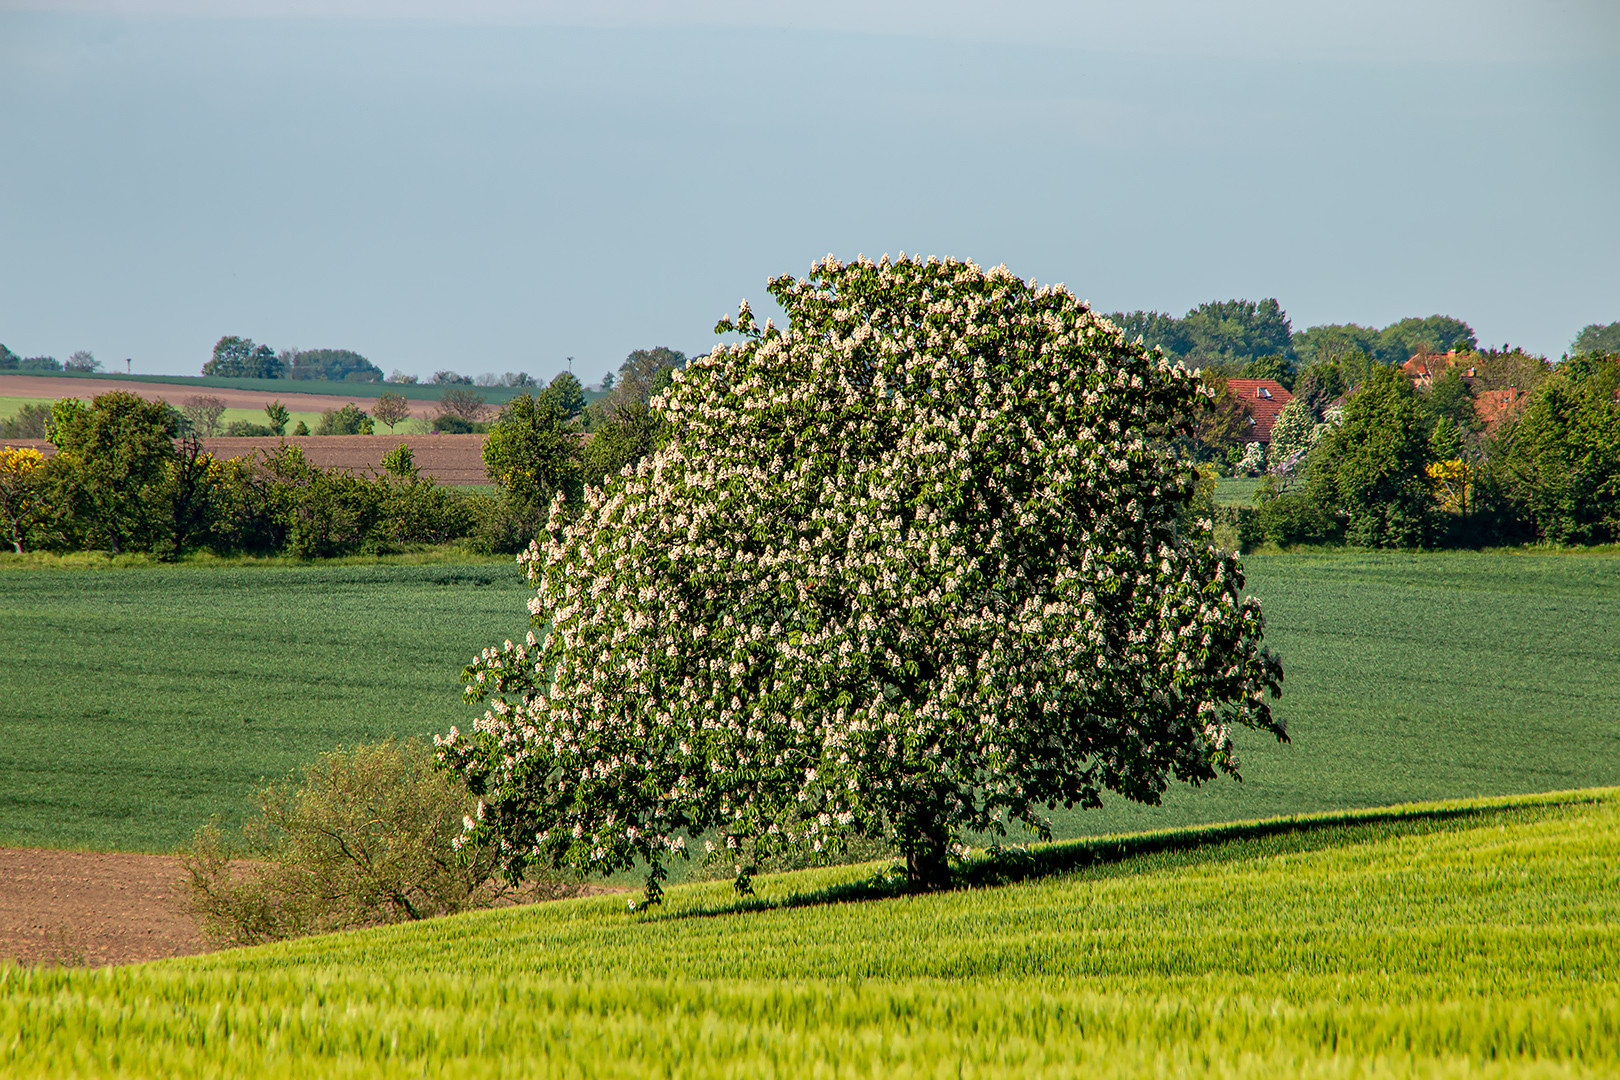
{"points": [[496, 185]]}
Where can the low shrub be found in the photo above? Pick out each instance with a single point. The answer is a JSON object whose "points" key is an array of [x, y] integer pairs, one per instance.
{"points": [[240, 428], [367, 837]]}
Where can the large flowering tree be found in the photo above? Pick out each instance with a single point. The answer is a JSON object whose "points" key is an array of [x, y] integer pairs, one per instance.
{"points": [[916, 566]]}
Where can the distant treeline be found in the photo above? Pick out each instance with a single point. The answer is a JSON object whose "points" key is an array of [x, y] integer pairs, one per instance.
{"points": [[130, 475], [1473, 449]]}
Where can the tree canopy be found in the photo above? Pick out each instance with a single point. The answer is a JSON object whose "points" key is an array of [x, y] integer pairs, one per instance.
{"points": [[240, 358], [912, 567], [1596, 339], [333, 365], [1222, 334]]}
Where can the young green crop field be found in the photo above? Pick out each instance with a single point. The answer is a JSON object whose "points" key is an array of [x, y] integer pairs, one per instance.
{"points": [[135, 702], [1464, 941]]}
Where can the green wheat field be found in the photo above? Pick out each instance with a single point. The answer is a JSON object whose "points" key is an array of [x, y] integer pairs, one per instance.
{"points": [[1449, 940]]}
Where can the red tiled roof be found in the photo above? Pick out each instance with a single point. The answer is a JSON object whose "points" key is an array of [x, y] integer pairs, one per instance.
{"points": [[1495, 406], [1264, 398], [1423, 367]]}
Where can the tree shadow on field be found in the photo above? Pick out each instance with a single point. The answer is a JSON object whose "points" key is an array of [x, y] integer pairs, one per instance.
{"points": [[1111, 856]]}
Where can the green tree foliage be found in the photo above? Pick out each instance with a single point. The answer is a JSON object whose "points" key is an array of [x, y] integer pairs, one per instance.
{"points": [[111, 470], [241, 429], [31, 422], [1596, 339], [1400, 341], [349, 420], [533, 453], [450, 378], [240, 358], [1232, 333], [644, 373], [570, 395], [1559, 465], [1156, 329], [1220, 420], [1500, 369], [333, 365], [10, 361], [278, 416], [1370, 471], [1276, 366], [83, 360], [1450, 399], [1225, 334], [624, 433], [906, 570], [1334, 341], [1318, 385]]}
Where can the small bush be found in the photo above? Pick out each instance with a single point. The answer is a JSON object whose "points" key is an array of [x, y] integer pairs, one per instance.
{"points": [[31, 422], [240, 428], [349, 420], [366, 838], [452, 425], [1295, 518]]}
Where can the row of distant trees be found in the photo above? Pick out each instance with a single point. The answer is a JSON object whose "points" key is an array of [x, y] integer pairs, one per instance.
{"points": [[242, 358], [1255, 339], [1494, 447], [131, 475], [83, 360]]}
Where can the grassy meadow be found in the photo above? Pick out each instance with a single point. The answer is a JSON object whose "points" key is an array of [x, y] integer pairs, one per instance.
{"points": [[137, 701], [1465, 940]]}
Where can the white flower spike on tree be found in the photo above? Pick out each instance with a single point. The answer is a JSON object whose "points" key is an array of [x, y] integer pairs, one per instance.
{"points": [[914, 567]]}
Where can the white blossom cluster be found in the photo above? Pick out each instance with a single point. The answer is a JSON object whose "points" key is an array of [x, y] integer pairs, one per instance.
{"points": [[910, 567]]}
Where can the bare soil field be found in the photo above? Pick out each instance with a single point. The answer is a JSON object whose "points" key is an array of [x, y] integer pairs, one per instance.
{"points": [[449, 459], [46, 387], [92, 907]]}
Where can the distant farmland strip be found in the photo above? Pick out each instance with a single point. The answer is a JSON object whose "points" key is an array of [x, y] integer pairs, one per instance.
{"points": [[449, 459]]}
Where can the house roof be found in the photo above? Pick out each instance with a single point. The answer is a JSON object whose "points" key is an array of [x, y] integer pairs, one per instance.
{"points": [[1264, 398], [1423, 367], [1495, 406]]}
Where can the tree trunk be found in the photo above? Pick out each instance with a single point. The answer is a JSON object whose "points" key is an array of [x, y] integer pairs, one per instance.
{"points": [[925, 842]]}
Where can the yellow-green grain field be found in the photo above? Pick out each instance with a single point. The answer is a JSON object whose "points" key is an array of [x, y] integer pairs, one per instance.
{"points": [[1444, 940]]}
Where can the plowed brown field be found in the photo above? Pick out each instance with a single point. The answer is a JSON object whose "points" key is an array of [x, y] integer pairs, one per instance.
{"points": [[44, 386], [92, 907], [449, 459], [108, 907]]}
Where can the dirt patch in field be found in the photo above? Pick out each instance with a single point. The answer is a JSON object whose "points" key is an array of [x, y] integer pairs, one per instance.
{"points": [[449, 459], [44, 386], [92, 907]]}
